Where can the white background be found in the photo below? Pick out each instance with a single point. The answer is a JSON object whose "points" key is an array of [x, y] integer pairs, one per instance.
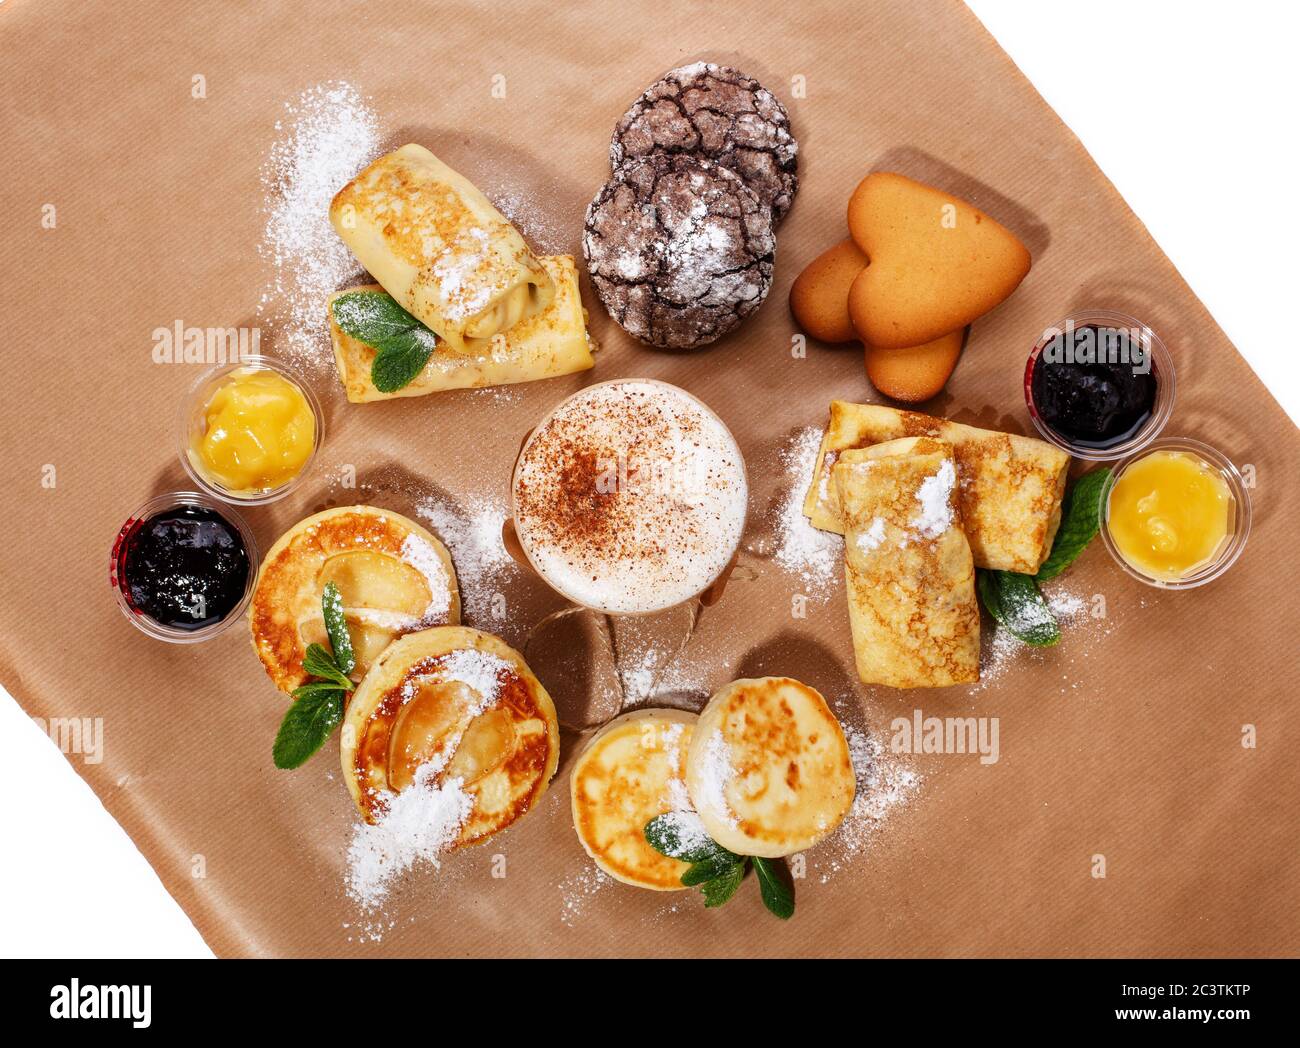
{"points": [[1188, 108]]}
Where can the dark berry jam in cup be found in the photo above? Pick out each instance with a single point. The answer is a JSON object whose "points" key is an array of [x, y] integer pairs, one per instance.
{"points": [[183, 567], [1099, 385]]}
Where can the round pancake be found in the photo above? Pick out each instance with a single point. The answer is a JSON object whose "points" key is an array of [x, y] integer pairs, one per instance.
{"points": [[451, 703], [631, 771], [768, 768], [394, 578]]}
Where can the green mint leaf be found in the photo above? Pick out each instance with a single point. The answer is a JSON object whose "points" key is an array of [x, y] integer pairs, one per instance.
{"points": [[315, 687], [1016, 602], [336, 626], [371, 316], [1080, 522], [670, 834], [774, 884], [402, 344], [306, 726], [720, 889], [320, 663], [710, 869], [400, 358]]}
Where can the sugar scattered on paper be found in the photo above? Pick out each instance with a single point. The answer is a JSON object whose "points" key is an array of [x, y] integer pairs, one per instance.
{"points": [[418, 825], [578, 889], [885, 782], [471, 530], [326, 136], [815, 557]]}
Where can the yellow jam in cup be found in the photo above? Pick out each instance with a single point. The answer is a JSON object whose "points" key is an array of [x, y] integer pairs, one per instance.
{"points": [[1169, 514], [255, 432]]}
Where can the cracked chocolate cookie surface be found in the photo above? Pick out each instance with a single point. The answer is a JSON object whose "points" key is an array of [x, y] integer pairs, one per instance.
{"points": [[720, 114], [679, 249]]}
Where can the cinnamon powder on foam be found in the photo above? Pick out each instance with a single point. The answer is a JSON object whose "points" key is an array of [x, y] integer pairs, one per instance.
{"points": [[630, 497]]}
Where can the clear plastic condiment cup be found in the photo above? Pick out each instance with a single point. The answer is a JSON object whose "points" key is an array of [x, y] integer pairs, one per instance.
{"points": [[1162, 368], [116, 573], [190, 429], [1239, 525]]}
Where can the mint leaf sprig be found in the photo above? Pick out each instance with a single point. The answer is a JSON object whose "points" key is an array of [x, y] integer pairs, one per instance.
{"points": [[318, 705], [718, 872], [1014, 600], [401, 343]]}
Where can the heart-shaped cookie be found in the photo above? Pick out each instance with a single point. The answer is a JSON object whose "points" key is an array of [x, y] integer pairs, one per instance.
{"points": [[936, 262], [918, 372], [819, 296]]}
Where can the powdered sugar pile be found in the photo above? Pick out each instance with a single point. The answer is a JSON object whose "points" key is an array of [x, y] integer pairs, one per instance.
{"points": [[325, 138], [471, 530], [814, 556], [935, 497], [420, 823]]}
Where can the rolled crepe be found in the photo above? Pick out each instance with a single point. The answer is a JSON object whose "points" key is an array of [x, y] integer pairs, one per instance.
{"points": [[907, 565], [438, 246], [1009, 490], [550, 343]]}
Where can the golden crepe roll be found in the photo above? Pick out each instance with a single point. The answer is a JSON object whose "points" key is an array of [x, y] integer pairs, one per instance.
{"points": [[1009, 491], [768, 768], [439, 247], [393, 575], [550, 343], [633, 770], [451, 703], [908, 568]]}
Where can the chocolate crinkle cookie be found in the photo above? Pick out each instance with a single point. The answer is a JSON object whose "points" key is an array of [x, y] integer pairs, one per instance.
{"points": [[720, 114], [679, 249]]}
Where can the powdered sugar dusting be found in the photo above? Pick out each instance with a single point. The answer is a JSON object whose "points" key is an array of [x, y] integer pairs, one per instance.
{"points": [[326, 136], [471, 529], [814, 556], [1080, 629], [885, 783], [873, 536], [716, 773], [480, 671], [577, 890], [425, 559], [418, 825], [935, 497]]}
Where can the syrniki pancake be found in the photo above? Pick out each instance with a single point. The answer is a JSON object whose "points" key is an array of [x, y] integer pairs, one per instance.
{"points": [[451, 705], [768, 768], [632, 770], [393, 575]]}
